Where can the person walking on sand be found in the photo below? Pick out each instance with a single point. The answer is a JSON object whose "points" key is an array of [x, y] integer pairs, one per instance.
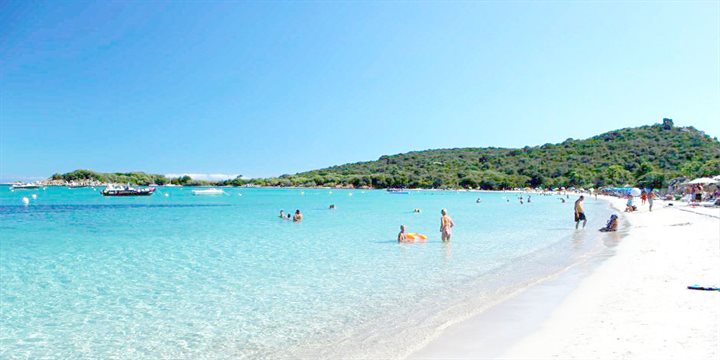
{"points": [[650, 198], [579, 213], [446, 225]]}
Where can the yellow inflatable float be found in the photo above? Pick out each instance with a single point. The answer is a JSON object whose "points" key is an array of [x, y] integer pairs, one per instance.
{"points": [[416, 236]]}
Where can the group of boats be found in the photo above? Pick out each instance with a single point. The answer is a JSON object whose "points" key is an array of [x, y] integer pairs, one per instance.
{"points": [[122, 190], [113, 190]]}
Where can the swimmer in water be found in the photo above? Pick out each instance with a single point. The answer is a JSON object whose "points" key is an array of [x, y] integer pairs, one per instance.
{"points": [[282, 214], [402, 237], [332, 207], [298, 216]]}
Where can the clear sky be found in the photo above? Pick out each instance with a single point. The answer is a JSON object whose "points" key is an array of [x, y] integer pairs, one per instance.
{"points": [[267, 88]]}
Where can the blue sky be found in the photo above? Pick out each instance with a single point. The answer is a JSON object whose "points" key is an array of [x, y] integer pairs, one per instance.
{"points": [[267, 88]]}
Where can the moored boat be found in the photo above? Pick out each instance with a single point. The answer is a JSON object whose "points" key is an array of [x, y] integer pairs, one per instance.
{"points": [[212, 191], [397, 191], [114, 190], [24, 186]]}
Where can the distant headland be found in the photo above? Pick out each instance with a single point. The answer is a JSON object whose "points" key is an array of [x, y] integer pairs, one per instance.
{"points": [[649, 156]]}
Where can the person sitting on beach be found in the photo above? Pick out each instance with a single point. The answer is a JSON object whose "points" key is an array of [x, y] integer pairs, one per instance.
{"points": [[629, 207], [612, 224], [446, 225], [402, 237], [579, 213], [298, 216]]}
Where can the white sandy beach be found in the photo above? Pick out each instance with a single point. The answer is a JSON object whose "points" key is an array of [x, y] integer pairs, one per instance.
{"points": [[634, 305]]}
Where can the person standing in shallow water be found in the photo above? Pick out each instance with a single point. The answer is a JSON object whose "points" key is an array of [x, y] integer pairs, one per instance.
{"points": [[446, 225], [579, 212]]}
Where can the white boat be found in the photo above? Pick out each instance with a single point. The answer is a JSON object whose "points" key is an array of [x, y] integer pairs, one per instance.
{"points": [[25, 186], [209, 192]]}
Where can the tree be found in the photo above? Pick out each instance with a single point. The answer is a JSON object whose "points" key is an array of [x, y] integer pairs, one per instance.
{"points": [[691, 169], [617, 175], [710, 168], [652, 180]]}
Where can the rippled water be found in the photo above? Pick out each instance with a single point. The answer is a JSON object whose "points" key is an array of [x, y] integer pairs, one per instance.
{"points": [[183, 276]]}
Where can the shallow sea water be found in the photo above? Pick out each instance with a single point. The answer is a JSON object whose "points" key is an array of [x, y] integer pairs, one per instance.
{"points": [[193, 277]]}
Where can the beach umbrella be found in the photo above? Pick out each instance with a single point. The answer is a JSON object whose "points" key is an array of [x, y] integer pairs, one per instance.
{"points": [[703, 181], [635, 192]]}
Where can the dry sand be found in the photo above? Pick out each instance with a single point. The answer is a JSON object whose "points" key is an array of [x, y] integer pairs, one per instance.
{"points": [[634, 305]]}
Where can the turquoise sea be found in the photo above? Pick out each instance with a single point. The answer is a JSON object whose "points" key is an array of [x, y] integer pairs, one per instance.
{"points": [[83, 276]]}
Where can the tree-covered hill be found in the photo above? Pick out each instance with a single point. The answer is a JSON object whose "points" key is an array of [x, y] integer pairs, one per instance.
{"points": [[129, 177], [647, 156]]}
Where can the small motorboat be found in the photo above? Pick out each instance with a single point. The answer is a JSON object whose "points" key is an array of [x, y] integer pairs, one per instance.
{"points": [[397, 191], [212, 191], [115, 190], [25, 186]]}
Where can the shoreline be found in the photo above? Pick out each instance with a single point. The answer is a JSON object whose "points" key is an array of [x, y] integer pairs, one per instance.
{"points": [[567, 316]]}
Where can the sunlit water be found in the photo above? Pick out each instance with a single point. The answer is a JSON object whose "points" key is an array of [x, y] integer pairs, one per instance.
{"points": [[183, 276]]}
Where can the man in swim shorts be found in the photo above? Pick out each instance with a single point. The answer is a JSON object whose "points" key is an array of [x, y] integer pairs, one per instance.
{"points": [[579, 213]]}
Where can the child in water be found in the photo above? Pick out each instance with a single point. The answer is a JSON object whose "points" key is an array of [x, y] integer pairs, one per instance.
{"points": [[612, 224]]}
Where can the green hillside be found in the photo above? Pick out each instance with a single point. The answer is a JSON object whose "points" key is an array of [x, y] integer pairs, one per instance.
{"points": [[647, 156], [129, 177]]}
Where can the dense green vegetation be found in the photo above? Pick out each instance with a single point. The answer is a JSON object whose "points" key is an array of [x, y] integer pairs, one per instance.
{"points": [[139, 178], [647, 156]]}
